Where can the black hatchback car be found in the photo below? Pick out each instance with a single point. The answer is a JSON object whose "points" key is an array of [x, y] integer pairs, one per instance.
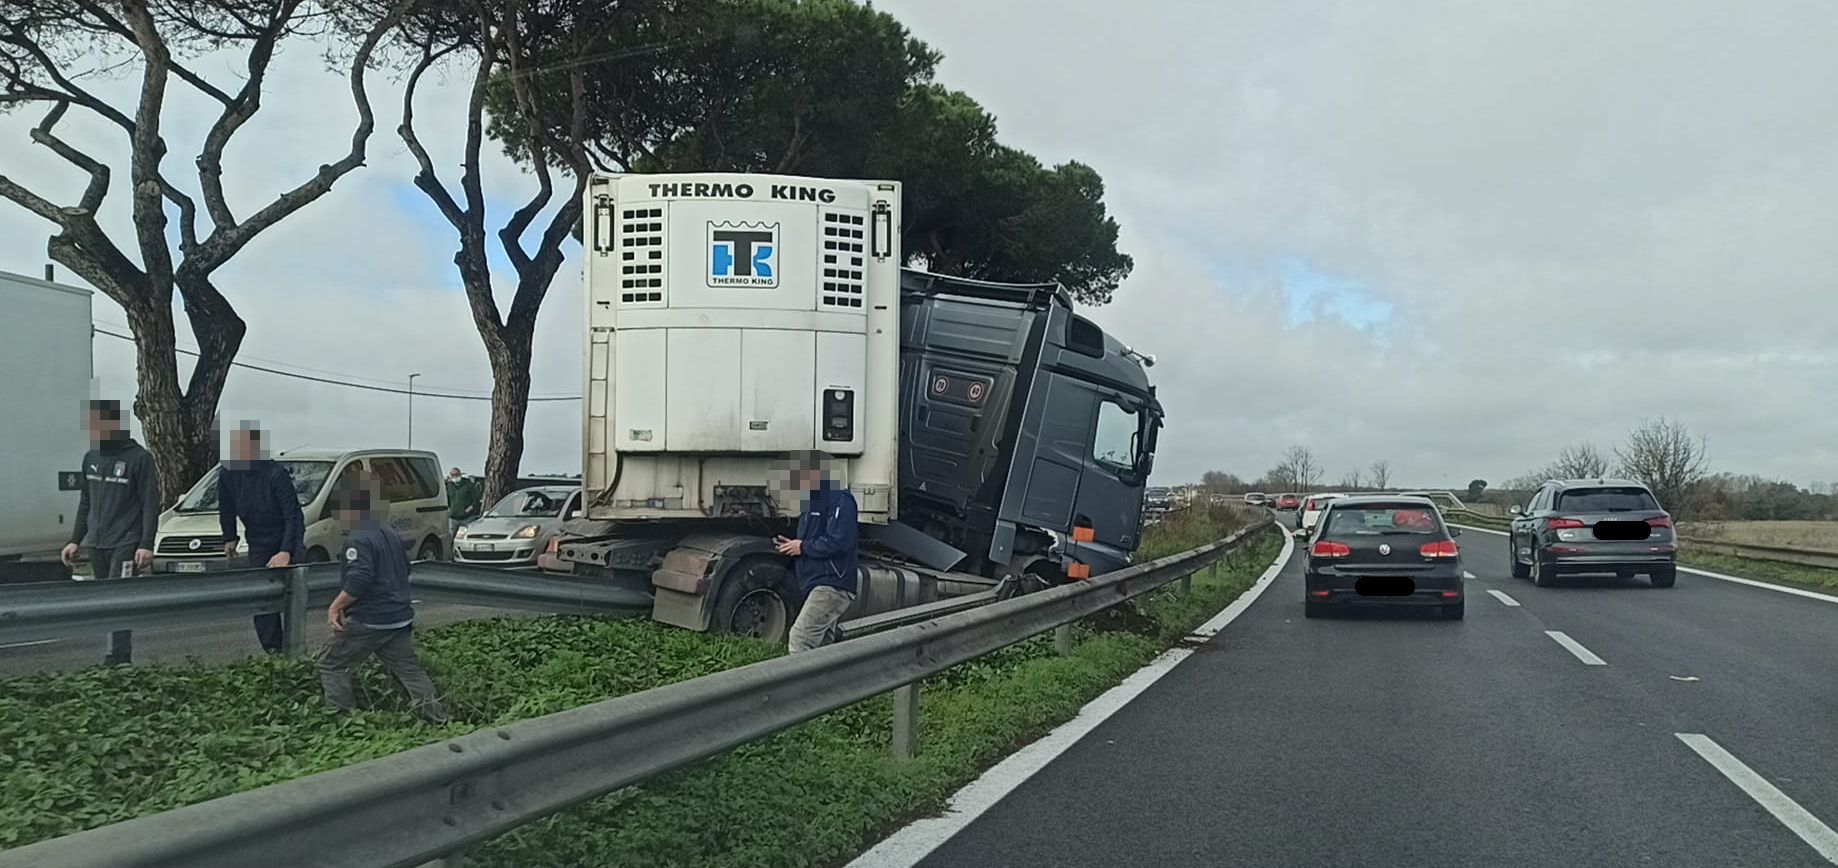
{"points": [[1593, 526], [1383, 550]]}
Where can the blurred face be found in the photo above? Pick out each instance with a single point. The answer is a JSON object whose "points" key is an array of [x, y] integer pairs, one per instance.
{"points": [[809, 480], [454, 474], [244, 445], [100, 426]]}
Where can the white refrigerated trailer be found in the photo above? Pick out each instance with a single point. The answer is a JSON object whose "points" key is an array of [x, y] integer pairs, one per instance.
{"points": [[44, 378]]}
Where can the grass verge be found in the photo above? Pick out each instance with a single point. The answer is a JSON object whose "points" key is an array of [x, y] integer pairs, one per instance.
{"points": [[83, 749]]}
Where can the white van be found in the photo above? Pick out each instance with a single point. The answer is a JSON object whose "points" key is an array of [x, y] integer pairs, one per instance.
{"points": [[191, 541]]}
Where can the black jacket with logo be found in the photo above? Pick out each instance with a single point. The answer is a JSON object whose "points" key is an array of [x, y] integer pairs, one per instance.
{"points": [[120, 504], [375, 574]]}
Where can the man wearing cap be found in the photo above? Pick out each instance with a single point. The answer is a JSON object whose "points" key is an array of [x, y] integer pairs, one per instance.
{"points": [[823, 553]]}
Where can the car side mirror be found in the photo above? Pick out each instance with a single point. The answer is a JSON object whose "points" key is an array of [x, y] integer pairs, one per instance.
{"points": [[574, 515], [1454, 532]]}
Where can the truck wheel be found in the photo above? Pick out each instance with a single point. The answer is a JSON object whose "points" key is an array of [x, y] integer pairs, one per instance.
{"points": [[756, 601], [317, 555]]}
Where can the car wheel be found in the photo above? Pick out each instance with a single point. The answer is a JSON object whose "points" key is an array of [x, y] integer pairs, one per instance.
{"points": [[1665, 578], [1542, 575], [1519, 569], [1454, 611], [757, 601], [1314, 610], [430, 550]]}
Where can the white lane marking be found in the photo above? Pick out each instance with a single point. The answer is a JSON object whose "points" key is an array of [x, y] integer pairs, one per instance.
{"points": [[29, 644], [1753, 583], [1501, 596], [1797, 819], [1467, 575], [919, 838], [1571, 645]]}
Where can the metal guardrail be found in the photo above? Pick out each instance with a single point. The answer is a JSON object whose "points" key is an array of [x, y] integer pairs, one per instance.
{"points": [[434, 801], [51, 610]]}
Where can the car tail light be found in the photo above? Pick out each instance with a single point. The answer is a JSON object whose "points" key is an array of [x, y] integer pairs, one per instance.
{"points": [[1561, 523], [1440, 549], [1318, 593], [1662, 521], [1450, 595], [1330, 549]]}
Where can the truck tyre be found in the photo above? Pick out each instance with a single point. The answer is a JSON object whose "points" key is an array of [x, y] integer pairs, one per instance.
{"points": [[757, 599], [317, 555]]}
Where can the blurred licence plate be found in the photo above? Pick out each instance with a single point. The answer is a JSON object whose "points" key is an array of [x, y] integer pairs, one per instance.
{"points": [[190, 566]]}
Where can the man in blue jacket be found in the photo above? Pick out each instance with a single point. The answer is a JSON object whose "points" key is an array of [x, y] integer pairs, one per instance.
{"points": [[260, 492], [823, 552], [372, 612]]}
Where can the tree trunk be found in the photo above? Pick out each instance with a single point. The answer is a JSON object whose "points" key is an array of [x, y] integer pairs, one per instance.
{"points": [[510, 405], [160, 405]]}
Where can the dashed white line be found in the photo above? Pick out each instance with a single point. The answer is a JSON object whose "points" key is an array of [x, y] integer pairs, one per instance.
{"points": [[1797, 819], [1502, 597], [1574, 647]]}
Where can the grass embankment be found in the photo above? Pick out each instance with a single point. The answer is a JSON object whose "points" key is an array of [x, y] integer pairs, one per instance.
{"points": [[1759, 569], [97, 746]]}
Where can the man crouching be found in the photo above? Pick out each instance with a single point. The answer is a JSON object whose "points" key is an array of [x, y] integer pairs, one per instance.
{"points": [[371, 614]]}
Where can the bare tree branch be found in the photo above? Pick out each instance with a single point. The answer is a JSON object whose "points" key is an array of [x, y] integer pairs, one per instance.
{"points": [[110, 24], [29, 200], [237, 111], [23, 41], [98, 173], [427, 179], [147, 195]]}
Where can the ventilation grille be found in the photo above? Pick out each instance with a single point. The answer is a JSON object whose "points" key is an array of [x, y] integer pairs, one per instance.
{"points": [[641, 256], [843, 282]]}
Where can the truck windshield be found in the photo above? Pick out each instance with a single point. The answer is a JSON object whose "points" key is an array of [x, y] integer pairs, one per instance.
{"points": [[309, 477]]}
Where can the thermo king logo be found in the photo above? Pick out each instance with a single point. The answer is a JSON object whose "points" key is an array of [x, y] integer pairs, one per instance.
{"points": [[743, 255]]}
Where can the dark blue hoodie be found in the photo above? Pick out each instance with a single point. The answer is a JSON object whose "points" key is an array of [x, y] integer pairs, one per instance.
{"points": [[375, 573], [261, 493], [829, 534]]}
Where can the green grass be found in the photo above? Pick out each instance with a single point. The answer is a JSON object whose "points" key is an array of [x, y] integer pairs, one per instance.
{"points": [[97, 746]]}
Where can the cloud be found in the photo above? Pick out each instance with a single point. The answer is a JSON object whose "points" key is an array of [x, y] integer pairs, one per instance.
{"points": [[1456, 236]]}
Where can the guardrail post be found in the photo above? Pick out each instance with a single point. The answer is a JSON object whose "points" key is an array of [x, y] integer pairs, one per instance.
{"points": [[1062, 639], [293, 613], [906, 721]]}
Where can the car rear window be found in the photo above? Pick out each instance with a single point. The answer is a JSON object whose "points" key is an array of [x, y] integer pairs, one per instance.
{"points": [[1378, 519], [1606, 500]]}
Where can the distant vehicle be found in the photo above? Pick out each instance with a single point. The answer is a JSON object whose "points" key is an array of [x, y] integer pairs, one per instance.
{"points": [[1256, 498], [1383, 550], [516, 529], [46, 332], [1310, 512], [1287, 501], [1593, 526], [191, 541]]}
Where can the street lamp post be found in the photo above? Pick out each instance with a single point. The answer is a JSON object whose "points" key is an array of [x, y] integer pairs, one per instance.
{"points": [[411, 409]]}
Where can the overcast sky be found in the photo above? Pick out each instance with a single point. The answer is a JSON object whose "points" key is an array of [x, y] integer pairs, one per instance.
{"points": [[1456, 236]]}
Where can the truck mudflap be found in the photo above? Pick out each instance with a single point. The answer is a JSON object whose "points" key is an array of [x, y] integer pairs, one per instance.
{"points": [[685, 588]]}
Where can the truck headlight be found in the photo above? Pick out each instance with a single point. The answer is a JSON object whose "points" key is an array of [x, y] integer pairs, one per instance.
{"points": [[528, 531]]}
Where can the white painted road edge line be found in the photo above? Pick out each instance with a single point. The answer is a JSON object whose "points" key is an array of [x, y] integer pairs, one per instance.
{"points": [[1766, 586], [32, 644], [916, 840], [1467, 575], [1575, 647], [1797, 819], [1502, 597]]}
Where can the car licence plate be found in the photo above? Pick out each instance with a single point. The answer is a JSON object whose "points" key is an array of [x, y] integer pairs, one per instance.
{"points": [[189, 566]]}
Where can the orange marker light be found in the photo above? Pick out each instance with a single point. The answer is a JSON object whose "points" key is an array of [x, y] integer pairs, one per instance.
{"points": [[1084, 534], [1078, 571]]}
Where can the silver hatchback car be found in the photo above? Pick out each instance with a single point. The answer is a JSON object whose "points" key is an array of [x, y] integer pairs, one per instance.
{"points": [[517, 528]]}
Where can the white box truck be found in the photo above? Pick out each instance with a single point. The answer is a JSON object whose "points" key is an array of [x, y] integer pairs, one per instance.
{"points": [[990, 435], [45, 353]]}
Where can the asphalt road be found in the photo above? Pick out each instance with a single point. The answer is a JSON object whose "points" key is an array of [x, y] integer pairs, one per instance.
{"points": [[1393, 741], [208, 642]]}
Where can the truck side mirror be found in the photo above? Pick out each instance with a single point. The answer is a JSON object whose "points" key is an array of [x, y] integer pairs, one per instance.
{"points": [[1517, 509]]}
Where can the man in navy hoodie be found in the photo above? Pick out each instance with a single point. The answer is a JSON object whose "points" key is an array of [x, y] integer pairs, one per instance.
{"points": [[823, 552], [372, 612], [260, 492]]}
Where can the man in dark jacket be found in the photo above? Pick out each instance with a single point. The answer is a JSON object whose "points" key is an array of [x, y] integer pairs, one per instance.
{"points": [[260, 493], [371, 614], [463, 496], [823, 553], [118, 511]]}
